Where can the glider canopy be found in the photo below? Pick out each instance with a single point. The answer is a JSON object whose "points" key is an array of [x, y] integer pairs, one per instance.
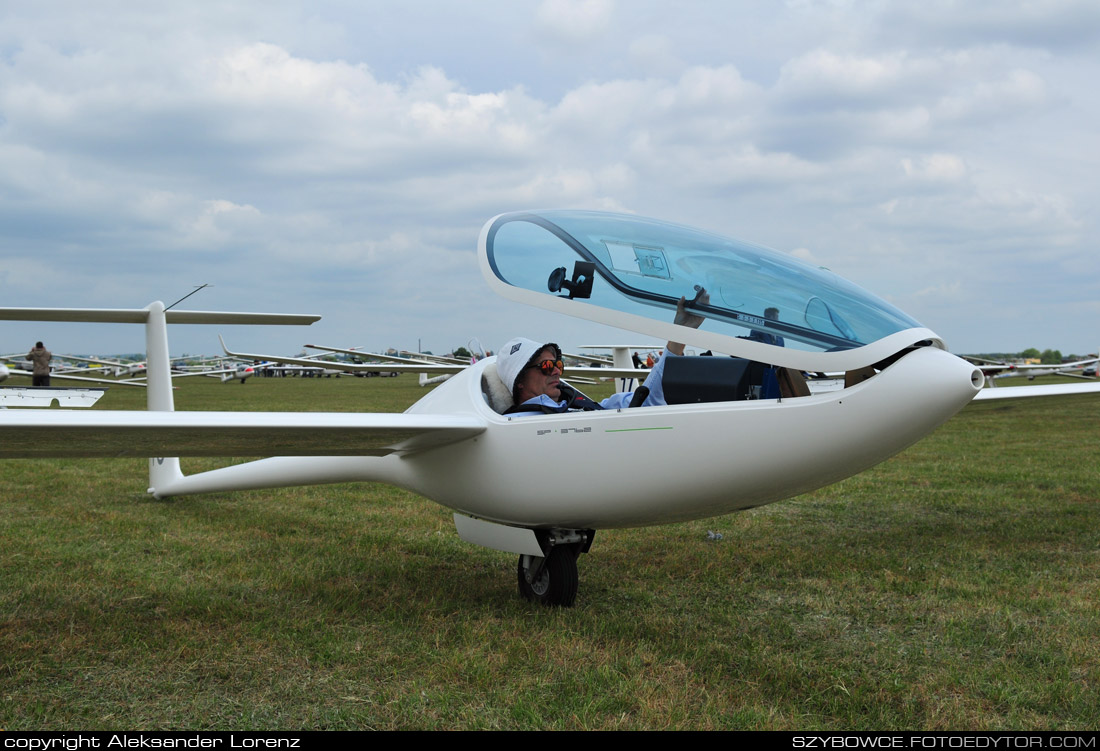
{"points": [[625, 270]]}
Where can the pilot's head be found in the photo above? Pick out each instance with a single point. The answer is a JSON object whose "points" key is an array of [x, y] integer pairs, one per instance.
{"points": [[529, 369]]}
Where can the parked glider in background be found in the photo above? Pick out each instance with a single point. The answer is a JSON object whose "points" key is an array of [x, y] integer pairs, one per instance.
{"points": [[1031, 372], [62, 374], [424, 364], [710, 451], [439, 359], [116, 368], [621, 358], [408, 365], [997, 370]]}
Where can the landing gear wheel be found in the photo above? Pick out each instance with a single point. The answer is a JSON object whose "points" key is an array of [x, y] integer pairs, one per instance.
{"points": [[556, 583]]}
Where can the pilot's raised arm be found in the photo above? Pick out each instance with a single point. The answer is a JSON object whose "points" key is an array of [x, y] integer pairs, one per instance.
{"points": [[532, 372], [684, 318]]}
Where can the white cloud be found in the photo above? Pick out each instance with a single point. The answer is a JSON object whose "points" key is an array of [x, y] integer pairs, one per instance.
{"points": [[655, 54], [946, 292], [935, 167], [825, 72], [574, 21], [217, 222], [986, 100], [805, 255]]}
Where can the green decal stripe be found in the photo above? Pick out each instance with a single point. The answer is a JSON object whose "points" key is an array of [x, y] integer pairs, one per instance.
{"points": [[635, 430]]}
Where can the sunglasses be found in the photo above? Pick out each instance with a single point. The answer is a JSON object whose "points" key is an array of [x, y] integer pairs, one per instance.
{"points": [[547, 366]]}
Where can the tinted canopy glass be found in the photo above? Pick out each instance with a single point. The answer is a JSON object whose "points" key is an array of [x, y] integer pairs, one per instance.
{"points": [[643, 266]]}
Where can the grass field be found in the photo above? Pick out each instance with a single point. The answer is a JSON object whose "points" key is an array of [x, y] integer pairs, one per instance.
{"points": [[955, 586]]}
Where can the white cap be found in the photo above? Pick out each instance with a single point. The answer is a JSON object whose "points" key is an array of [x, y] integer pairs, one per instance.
{"points": [[514, 357]]}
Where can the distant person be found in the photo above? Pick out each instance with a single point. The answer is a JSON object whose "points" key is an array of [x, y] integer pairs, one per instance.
{"points": [[40, 361], [637, 360], [770, 314], [770, 388], [532, 372]]}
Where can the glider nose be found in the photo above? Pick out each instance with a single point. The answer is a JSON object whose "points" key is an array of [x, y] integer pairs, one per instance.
{"points": [[959, 380], [936, 380], [977, 380]]}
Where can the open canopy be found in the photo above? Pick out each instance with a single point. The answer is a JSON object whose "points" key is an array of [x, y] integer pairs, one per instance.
{"points": [[630, 271]]}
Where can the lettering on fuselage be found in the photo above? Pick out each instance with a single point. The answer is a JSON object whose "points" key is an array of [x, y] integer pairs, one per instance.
{"points": [[564, 431]]}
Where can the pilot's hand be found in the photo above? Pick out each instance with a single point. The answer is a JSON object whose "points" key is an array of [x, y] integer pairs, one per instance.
{"points": [[683, 317]]}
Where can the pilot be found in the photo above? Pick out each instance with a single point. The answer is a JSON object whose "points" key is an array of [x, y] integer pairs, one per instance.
{"points": [[532, 372]]}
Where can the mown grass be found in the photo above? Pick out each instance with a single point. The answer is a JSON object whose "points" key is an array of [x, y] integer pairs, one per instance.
{"points": [[953, 587]]}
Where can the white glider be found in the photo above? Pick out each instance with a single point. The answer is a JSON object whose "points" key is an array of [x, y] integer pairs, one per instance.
{"points": [[711, 450]]}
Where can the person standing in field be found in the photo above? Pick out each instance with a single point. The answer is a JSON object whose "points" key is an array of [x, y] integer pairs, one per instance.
{"points": [[40, 360]]}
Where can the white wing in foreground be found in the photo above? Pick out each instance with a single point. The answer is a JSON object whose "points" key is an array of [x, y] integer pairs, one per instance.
{"points": [[33, 434]]}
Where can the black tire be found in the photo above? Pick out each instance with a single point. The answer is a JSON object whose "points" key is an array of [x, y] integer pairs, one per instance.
{"points": [[557, 585]]}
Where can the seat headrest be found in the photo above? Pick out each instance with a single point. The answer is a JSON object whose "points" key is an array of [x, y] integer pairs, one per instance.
{"points": [[496, 393]]}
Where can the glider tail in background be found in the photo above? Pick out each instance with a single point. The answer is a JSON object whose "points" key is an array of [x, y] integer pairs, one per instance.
{"points": [[162, 470]]}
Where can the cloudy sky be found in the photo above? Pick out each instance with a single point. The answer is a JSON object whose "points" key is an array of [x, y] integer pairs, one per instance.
{"points": [[340, 157]]}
